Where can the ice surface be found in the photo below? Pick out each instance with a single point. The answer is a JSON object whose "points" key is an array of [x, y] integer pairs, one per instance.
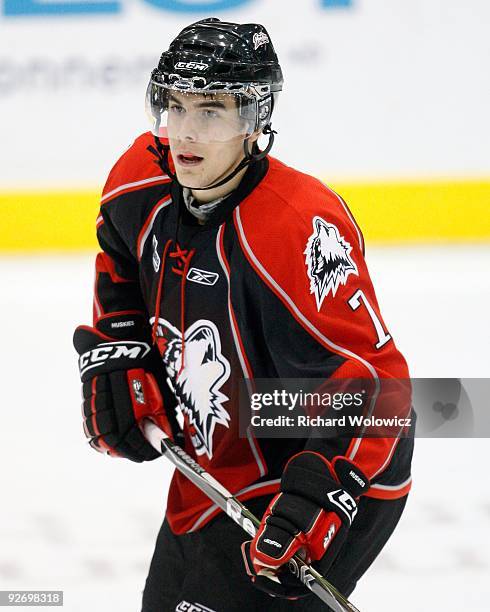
{"points": [[74, 520]]}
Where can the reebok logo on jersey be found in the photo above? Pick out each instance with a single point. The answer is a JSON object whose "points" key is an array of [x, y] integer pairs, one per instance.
{"points": [[202, 277], [328, 260], [186, 606]]}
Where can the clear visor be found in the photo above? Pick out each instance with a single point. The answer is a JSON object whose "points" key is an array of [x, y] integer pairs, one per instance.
{"points": [[211, 116]]}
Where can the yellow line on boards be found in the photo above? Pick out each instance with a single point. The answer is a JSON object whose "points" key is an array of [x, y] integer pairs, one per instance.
{"points": [[436, 211], [48, 221], [388, 212]]}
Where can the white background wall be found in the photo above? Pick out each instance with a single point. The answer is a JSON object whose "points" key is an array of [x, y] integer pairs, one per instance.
{"points": [[385, 88]]}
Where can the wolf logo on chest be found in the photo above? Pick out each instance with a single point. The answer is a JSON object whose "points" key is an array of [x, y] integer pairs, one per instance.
{"points": [[328, 260], [197, 385]]}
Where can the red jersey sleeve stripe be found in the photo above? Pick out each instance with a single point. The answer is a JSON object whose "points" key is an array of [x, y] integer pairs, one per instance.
{"points": [[262, 488], [162, 178], [350, 216], [246, 368], [378, 491], [148, 225], [355, 450], [97, 306], [240, 349]]}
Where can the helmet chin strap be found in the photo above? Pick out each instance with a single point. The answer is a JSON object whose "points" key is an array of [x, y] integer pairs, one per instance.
{"points": [[162, 152]]}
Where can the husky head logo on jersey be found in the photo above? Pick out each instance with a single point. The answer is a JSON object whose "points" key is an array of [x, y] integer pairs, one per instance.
{"points": [[328, 260], [197, 386]]}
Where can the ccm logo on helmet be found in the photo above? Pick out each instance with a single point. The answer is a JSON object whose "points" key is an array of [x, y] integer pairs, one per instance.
{"points": [[191, 66], [112, 350]]}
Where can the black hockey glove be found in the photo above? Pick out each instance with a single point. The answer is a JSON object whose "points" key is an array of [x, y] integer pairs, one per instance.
{"points": [[119, 389], [310, 516]]}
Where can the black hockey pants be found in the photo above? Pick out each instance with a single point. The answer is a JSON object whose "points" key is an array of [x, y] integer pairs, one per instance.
{"points": [[203, 571]]}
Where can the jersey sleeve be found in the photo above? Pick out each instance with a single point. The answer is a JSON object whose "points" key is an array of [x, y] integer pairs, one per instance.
{"points": [[312, 259], [131, 196], [117, 287]]}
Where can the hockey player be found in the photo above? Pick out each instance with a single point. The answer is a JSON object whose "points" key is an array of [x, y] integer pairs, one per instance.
{"points": [[220, 263]]}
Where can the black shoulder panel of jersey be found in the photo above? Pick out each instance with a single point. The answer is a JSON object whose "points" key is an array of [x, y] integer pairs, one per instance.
{"points": [[135, 188]]}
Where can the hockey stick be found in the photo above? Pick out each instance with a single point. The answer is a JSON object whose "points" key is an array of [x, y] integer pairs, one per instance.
{"points": [[240, 514]]}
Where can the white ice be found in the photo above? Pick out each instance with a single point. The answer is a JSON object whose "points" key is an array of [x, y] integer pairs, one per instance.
{"points": [[73, 520]]}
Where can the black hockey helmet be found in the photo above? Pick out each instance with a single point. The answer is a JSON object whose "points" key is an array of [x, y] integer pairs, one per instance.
{"points": [[224, 52], [213, 55], [222, 58]]}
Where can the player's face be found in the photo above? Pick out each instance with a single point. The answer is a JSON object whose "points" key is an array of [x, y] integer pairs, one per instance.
{"points": [[206, 136]]}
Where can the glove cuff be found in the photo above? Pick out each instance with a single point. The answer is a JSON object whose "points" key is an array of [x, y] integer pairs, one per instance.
{"points": [[350, 476], [124, 325], [310, 475]]}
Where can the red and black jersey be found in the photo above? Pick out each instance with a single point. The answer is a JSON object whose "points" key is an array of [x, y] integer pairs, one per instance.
{"points": [[273, 285]]}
